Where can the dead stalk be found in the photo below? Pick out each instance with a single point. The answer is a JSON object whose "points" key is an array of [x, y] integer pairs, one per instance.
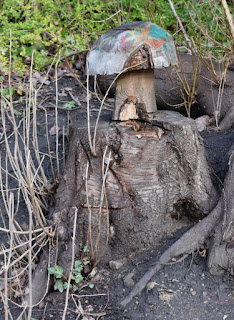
{"points": [[48, 144], [72, 264], [89, 237], [7, 260], [180, 23], [64, 159], [38, 238], [229, 16], [30, 263], [56, 114], [219, 102], [88, 111], [25, 172], [101, 208]]}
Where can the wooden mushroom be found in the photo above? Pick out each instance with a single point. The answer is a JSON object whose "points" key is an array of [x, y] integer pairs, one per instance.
{"points": [[133, 49]]}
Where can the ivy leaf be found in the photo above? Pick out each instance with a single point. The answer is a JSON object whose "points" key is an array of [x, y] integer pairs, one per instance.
{"points": [[78, 263], [59, 285], [78, 267], [57, 271], [51, 270], [75, 288], [86, 249], [78, 278]]}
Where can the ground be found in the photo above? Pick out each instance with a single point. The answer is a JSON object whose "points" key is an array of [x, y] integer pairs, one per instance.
{"points": [[183, 290]]}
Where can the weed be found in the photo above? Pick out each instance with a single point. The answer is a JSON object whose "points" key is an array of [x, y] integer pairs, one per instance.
{"points": [[69, 105], [76, 276]]}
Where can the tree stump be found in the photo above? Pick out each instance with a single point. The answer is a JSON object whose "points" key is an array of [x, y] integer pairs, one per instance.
{"points": [[147, 180]]}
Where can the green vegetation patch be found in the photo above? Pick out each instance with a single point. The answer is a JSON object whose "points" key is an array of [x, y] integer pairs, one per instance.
{"points": [[48, 26]]}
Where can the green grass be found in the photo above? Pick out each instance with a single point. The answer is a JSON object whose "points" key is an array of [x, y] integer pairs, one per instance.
{"points": [[69, 26]]}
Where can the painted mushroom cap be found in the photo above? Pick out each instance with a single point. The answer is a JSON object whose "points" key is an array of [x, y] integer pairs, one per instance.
{"points": [[121, 48]]}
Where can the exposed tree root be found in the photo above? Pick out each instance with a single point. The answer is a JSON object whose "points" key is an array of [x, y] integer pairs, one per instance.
{"points": [[193, 239]]}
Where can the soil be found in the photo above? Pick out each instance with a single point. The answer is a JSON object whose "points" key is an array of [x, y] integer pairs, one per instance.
{"points": [[182, 290]]}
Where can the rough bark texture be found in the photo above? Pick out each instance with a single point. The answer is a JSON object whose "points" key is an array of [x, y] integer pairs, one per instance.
{"points": [[169, 88], [221, 256], [158, 180]]}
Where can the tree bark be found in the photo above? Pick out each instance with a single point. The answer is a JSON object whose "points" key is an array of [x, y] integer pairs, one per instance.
{"points": [[157, 181]]}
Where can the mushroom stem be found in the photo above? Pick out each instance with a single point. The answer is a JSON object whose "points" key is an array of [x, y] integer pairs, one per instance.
{"points": [[135, 96]]}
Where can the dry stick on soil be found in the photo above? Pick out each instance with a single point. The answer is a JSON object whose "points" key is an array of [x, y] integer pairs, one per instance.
{"points": [[185, 245], [72, 264]]}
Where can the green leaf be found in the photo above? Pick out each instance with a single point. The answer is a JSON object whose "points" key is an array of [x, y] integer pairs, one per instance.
{"points": [[78, 263], [74, 288], [78, 270], [78, 278], [57, 271], [86, 262], [91, 285], [51, 270], [59, 285], [65, 285], [69, 105], [86, 249]]}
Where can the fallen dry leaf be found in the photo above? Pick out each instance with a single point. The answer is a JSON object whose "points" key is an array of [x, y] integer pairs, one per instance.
{"points": [[53, 130]]}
